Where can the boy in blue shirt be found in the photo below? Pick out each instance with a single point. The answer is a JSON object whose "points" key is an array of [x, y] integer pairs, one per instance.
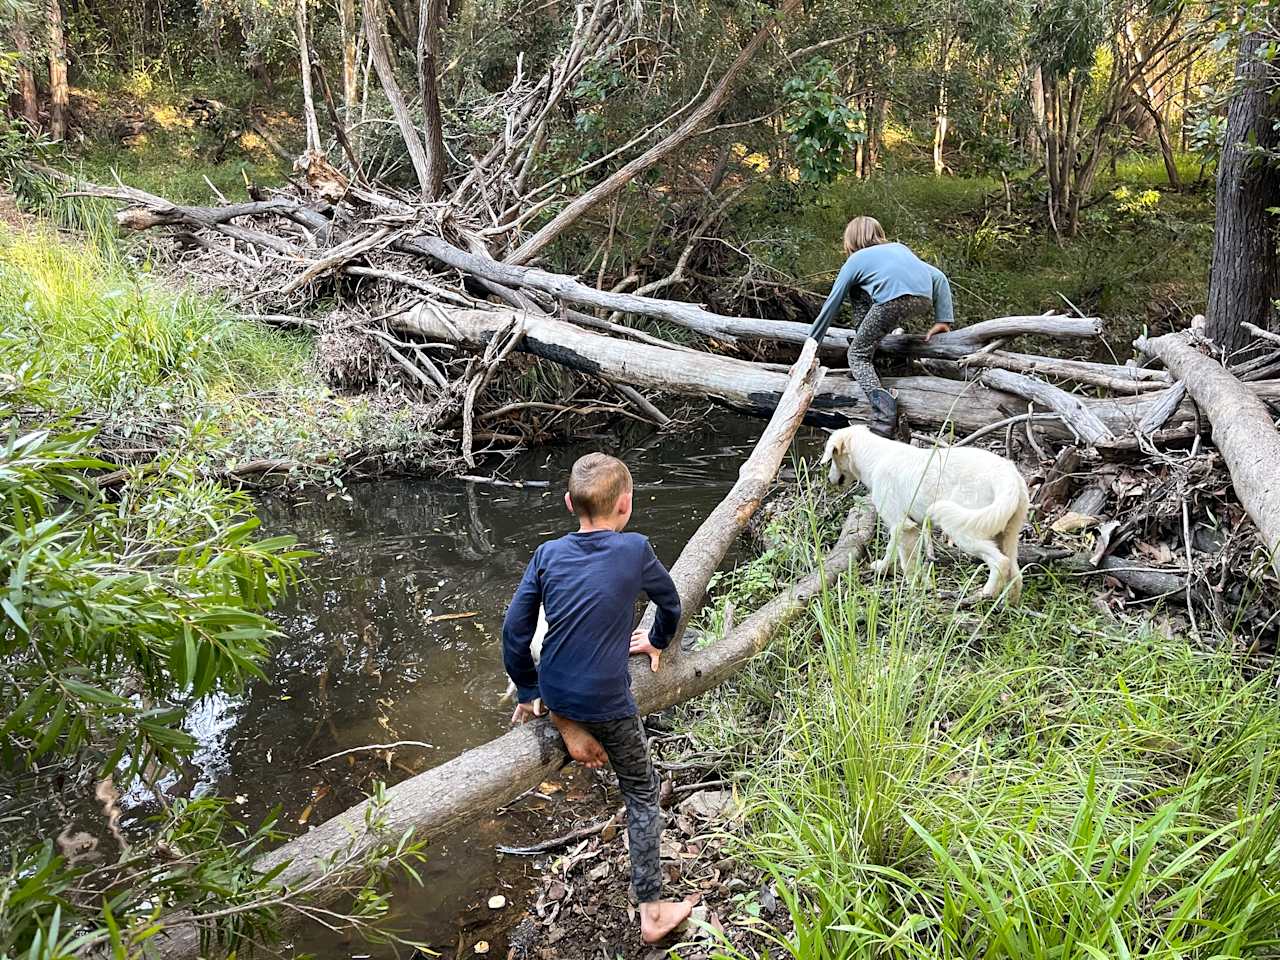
{"points": [[587, 584]]}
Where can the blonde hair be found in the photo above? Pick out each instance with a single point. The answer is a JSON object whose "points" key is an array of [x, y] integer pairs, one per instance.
{"points": [[595, 484], [863, 232]]}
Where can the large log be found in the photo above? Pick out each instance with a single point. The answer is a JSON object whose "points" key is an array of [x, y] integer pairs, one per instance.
{"points": [[1242, 429], [948, 346], [496, 772], [927, 402]]}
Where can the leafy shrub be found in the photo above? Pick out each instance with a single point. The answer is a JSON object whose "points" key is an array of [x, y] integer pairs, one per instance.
{"points": [[823, 129]]}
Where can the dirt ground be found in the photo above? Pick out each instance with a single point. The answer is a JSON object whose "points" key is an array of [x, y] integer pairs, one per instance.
{"points": [[580, 904]]}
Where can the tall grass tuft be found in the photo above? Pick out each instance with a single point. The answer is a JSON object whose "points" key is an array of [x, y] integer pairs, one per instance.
{"points": [[144, 358], [924, 782]]}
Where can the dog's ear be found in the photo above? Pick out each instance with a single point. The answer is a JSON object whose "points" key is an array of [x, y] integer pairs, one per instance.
{"points": [[835, 445]]}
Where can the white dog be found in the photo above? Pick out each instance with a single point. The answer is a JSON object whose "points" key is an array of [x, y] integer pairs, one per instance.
{"points": [[976, 498], [535, 648]]}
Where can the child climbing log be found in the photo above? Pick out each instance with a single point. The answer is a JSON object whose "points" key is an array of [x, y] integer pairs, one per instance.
{"points": [[487, 776]]}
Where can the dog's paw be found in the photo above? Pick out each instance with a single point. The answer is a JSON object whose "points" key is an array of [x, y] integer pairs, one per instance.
{"points": [[879, 566]]}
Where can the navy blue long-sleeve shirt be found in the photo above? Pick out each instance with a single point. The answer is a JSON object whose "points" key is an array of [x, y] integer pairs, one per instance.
{"points": [[886, 271], [587, 585]]}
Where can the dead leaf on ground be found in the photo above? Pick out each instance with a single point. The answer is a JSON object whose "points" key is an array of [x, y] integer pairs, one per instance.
{"points": [[1072, 522]]}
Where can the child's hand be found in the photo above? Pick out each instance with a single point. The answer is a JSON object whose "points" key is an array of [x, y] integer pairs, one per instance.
{"points": [[525, 712], [640, 644], [936, 329]]}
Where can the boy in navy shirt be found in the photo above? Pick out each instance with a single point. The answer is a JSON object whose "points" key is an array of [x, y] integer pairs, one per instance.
{"points": [[587, 584]]}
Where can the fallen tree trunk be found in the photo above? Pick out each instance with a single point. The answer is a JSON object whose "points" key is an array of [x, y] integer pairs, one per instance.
{"points": [[1242, 429], [927, 402], [1069, 407], [695, 672], [948, 346], [704, 552], [496, 772]]}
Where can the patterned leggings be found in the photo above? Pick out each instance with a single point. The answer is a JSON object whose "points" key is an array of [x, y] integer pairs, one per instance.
{"points": [[628, 749], [872, 323]]}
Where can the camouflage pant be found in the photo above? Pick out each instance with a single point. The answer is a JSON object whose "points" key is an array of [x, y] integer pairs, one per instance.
{"points": [[628, 749], [871, 323]]}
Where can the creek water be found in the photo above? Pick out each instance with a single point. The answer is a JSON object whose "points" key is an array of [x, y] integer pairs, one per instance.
{"points": [[394, 636]]}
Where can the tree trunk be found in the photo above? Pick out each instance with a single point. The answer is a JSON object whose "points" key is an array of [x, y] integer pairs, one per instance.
{"points": [[27, 101], [1245, 273], [58, 93], [350, 59], [941, 119], [1243, 431], [1034, 142], [875, 132], [374, 22], [660, 151], [1166, 148], [304, 66], [429, 26]]}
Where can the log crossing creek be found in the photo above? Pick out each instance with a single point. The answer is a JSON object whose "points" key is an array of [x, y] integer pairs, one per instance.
{"points": [[395, 636]]}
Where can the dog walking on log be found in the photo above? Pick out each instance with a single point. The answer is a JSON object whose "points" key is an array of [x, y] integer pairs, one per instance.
{"points": [[978, 499], [888, 287]]}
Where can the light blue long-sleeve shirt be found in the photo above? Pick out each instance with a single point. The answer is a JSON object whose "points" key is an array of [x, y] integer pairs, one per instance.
{"points": [[886, 271]]}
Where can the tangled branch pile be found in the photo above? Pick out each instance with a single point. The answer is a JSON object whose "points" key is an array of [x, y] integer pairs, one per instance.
{"points": [[436, 290]]}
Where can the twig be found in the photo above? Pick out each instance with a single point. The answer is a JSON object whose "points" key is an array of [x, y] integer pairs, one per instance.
{"points": [[704, 785], [573, 836], [1001, 424], [1031, 433], [374, 746], [1259, 332], [494, 481]]}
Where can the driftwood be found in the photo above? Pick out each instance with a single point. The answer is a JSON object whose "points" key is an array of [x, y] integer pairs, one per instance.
{"points": [[954, 345], [1146, 581], [1242, 428], [928, 402], [1071, 409]]}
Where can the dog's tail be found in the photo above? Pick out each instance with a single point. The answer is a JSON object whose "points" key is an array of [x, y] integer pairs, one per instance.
{"points": [[985, 522]]}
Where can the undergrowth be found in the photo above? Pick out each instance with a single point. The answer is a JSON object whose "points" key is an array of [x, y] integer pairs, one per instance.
{"points": [[923, 782], [164, 371], [1132, 266]]}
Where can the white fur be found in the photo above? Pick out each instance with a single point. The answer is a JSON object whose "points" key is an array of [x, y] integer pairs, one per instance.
{"points": [[535, 648], [975, 497]]}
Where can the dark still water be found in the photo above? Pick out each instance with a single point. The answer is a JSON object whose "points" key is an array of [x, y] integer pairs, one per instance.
{"points": [[395, 637]]}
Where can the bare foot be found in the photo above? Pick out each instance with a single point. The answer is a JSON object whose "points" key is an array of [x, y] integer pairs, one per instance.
{"points": [[582, 746], [660, 917]]}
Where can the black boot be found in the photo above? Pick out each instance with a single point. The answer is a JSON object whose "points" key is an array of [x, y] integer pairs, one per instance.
{"points": [[884, 414]]}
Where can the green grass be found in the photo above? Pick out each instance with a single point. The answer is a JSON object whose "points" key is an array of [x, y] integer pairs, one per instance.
{"points": [[1132, 269], [169, 365], [1033, 783], [173, 167]]}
